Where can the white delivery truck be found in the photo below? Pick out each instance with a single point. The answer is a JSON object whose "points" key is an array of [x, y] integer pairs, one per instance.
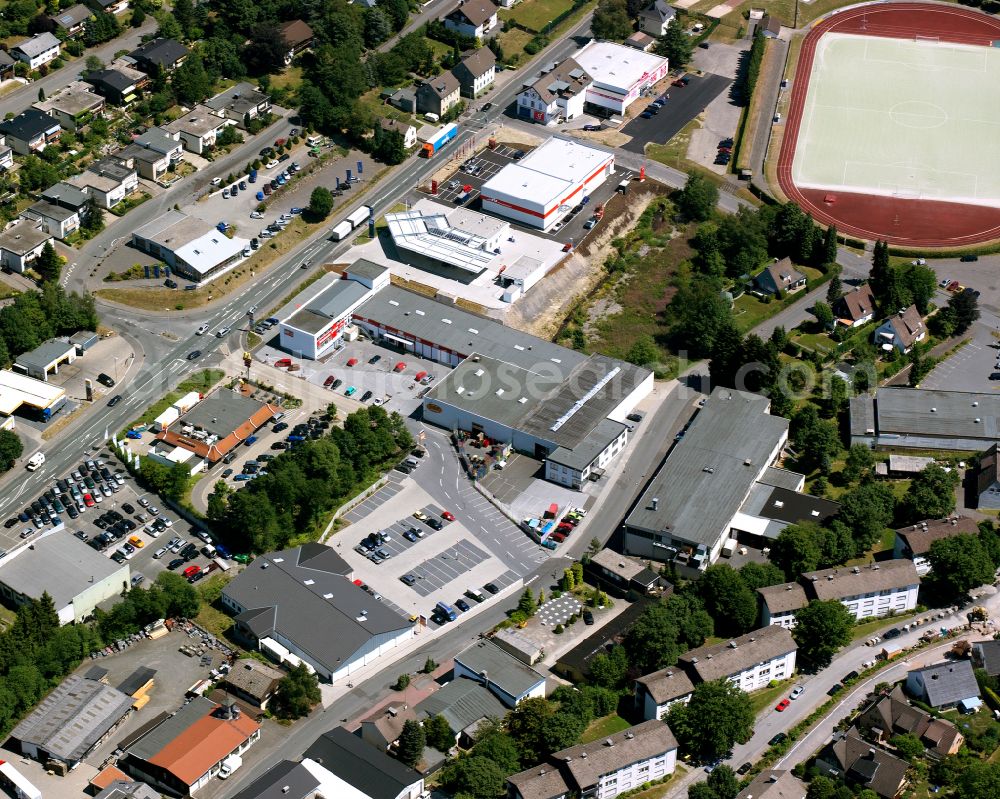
{"points": [[359, 215], [341, 231], [229, 765], [35, 461]]}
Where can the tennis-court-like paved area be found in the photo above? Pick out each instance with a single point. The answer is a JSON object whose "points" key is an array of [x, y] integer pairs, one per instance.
{"points": [[910, 118]]}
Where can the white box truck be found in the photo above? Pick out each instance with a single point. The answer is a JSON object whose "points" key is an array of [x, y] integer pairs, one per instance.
{"points": [[35, 461], [359, 215], [341, 231]]}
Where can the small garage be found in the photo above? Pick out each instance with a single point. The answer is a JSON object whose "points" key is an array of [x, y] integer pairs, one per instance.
{"points": [[83, 341], [46, 359]]}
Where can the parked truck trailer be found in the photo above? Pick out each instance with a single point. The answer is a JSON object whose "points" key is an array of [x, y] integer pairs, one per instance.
{"points": [[341, 231]]}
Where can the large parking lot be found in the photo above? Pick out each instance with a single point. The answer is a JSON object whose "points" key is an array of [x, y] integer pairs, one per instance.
{"points": [[684, 104], [114, 516], [425, 565], [397, 390]]}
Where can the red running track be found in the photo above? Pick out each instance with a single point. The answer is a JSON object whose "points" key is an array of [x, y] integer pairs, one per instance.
{"points": [[913, 222]]}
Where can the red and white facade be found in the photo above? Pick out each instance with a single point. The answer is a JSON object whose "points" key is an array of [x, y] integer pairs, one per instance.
{"points": [[544, 186], [620, 74]]}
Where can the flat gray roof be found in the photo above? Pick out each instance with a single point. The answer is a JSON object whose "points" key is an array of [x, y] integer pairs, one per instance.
{"points": [[463, 333], [173, 229], [500, 668], [74, 717], [330, 298], [923, 412], [304, 594], [60, 564], [44, 354], [712, 469], [23, 236], [553, 402], [221, 413], [587, 451]]}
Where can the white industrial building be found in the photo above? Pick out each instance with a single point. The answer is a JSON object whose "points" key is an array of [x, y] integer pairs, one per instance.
{"points": [[469, 244], [76, 577], [554, 403], [312, 324], [620, 74], [18, 390], [191, 247], [544, 186]]}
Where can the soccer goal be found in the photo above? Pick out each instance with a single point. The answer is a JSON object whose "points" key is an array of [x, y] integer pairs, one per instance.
{"points": [[919, 37]]}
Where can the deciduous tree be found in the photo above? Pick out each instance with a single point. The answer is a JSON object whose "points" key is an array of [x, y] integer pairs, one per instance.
{"points": [[731, 713], [821, 628]]}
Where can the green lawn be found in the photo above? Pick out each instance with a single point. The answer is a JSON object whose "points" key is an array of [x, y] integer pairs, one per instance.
{"points": [[603, 727], [287, 79], [536, 14], [512, 43], [674, 152], [768, 697], [871, 628], [749, 312]]}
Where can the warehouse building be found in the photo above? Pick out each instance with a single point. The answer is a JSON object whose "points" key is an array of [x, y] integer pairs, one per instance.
{"points": [[549, 401], [543, 187], [687, 513], [77, 577], [182, 753], [912, 418], [71, 722], [300, 606], [19, 392], [472, 248], [192, 248], [46, 359], [312, 324], [620, 74]]}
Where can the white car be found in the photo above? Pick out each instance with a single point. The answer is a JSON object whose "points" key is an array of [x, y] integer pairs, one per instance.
{"points": [[796, 692], [271, 164], [222, 332], [201, 331], [256, 215], [216, 181], [168, 522]]}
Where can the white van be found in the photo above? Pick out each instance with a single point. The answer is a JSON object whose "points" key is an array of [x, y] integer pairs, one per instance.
{"points": [[430, 116], [35, 461], [475, 593], [313, 141]]}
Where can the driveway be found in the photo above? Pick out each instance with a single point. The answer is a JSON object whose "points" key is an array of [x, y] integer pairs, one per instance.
{"points": [[684, 105]]}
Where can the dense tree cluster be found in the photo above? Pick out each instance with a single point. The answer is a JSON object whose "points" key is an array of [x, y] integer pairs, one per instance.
{"points": [[35, 316], [611, 21], [962, 562], [171, 595], [305, 483]]}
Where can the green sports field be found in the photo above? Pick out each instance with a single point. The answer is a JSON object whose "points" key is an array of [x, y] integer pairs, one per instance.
{"points": [[902, 117]]}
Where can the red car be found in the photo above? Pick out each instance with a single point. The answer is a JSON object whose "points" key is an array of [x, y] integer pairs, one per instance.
{"points": [[191, 571], [283, 362], [88, 500], [359, 583], [352, 361], [329, 381], [448, 515], [558, 537], [565, 529], [782, 704], [399, 367]]}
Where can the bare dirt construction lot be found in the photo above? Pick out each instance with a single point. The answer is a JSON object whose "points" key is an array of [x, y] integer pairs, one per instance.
{"points": [[544, 309]]}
